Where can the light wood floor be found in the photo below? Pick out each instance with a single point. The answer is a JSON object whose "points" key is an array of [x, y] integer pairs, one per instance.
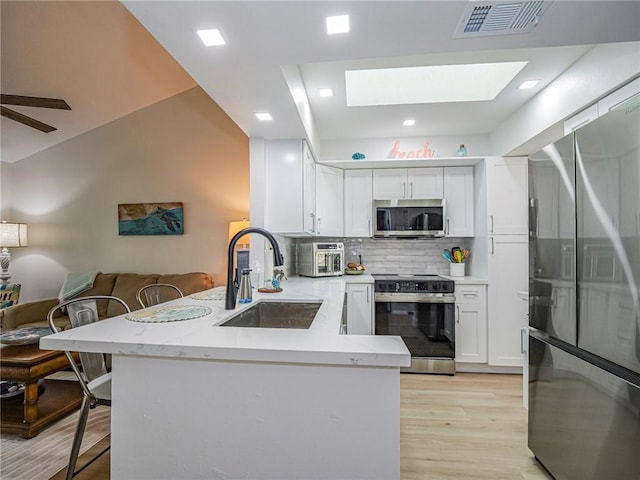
{"points": [[466, 427]]}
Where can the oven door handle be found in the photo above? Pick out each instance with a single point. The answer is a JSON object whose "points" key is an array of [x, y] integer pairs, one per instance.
{"points": [[414, 297]]}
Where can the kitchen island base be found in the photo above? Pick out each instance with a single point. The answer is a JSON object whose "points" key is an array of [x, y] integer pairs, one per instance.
{"points": [[205, 419]]}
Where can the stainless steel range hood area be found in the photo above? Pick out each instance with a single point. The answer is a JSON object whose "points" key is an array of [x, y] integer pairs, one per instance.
{"points": [[411, 218]]}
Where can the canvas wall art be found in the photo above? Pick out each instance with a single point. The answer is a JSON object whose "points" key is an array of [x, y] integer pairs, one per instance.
{"points": [[150, 218]]}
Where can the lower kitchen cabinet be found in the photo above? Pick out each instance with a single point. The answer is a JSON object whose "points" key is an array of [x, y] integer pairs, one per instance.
{"points": [[359, 308], [471, 323]]}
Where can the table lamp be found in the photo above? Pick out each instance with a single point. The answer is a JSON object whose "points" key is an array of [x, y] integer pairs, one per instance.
{"points": [[235, 227], [242, 246], [11, 235]]}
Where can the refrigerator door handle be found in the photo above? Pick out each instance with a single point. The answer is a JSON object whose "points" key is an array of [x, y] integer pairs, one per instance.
{"points": [[523, 342], [533, 218]]}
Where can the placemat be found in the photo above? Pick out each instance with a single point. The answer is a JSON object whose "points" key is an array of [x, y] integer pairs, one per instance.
{"points": [[168, 313], [209, 295]]}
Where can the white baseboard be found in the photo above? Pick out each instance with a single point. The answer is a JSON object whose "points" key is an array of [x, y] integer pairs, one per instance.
{"points": [[486, 368]]}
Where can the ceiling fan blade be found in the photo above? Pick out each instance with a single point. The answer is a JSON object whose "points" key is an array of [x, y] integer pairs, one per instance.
{"points": [[31, 122], [34, 102]]}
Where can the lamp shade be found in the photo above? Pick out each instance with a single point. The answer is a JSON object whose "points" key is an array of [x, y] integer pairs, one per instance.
{"points": [[235, 227], [13, 235]]}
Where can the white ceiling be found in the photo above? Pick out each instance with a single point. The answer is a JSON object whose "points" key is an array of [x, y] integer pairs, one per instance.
{"points": [[245, 76], [105, 66]]}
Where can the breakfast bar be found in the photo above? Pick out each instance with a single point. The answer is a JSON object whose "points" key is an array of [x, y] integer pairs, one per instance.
{"points": [[194, 399]]}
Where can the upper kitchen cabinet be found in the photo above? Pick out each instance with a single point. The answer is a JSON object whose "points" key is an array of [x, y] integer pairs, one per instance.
{"points": [[603, 106], [580, 119], [459, 204], [358, 203], [396, 183], [507, 199], [290, 192], [329, 201]]}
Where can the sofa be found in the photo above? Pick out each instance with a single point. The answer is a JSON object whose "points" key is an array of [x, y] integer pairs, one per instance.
{"points": [[121, 285]]}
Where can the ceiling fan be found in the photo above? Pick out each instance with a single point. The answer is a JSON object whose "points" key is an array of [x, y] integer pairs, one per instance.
{"points": [[30, 102]]}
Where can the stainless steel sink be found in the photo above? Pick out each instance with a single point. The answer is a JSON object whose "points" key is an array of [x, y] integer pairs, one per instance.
{"points": [[268, 314]]}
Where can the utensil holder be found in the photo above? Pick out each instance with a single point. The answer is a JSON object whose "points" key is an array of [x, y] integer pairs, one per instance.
{"points": [[456, 269]]}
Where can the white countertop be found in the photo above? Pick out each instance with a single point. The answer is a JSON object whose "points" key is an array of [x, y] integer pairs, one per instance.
{"points": [[202, 338]]}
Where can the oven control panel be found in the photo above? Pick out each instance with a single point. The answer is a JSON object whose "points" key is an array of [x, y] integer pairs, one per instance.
{"points": [[417, 286]]}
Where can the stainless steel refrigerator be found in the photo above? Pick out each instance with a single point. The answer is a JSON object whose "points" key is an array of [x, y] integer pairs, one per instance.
{"points": [[584, 310]]}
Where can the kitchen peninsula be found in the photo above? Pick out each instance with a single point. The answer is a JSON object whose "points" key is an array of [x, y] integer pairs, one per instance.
{"points": [[192, 399]]}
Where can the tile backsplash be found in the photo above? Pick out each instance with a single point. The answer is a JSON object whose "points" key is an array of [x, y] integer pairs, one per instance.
{"points": [[380, 256]]}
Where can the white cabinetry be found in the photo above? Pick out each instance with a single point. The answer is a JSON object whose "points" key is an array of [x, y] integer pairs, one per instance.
{"points": [[604, 105], [290, 193], [471, 323], [358, 204], [508, 267], [587, 115], [394, 183], [359, 308], [329, 201], [459, 204], [507, 200]]}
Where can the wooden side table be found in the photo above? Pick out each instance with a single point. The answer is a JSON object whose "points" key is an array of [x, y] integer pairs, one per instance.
{"points": [[27, 364]]}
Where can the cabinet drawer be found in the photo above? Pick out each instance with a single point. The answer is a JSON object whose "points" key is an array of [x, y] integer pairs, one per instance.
{"points": [[470, 294]]}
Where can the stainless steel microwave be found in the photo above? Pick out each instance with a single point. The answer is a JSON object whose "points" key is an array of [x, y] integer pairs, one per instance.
{"points": [[409, 218]]}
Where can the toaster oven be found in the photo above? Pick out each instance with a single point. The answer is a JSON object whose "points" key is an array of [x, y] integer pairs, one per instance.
{"points": [[320, 259]]}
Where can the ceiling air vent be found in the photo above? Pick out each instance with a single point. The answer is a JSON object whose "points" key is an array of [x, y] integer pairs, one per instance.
{"points": [[485, 19]]}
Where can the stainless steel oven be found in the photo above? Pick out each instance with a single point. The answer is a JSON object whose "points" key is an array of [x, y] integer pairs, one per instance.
{"points": [[421, 310]]}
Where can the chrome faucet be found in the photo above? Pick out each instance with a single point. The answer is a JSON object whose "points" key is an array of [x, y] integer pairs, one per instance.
{"points": [[230, 301]]}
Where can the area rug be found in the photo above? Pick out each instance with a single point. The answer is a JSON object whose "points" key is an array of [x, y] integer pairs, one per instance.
{"points": [[41, 457]]}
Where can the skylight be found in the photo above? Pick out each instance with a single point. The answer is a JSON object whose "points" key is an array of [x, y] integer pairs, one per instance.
{"points": [[264, 116], [430, 84]]}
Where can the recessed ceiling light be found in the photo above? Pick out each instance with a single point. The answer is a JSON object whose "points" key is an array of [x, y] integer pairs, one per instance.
{"points": [[211, 37], [263, 117], [409, 123], [528, 84], [338, 24], [326, 92], [429, 84]]}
